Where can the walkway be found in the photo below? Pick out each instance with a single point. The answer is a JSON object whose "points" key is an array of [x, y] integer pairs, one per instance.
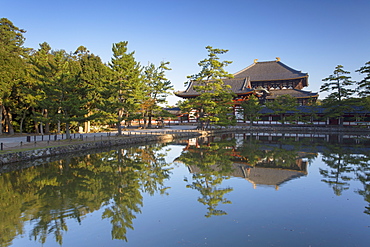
{"points": [[9, 143]]}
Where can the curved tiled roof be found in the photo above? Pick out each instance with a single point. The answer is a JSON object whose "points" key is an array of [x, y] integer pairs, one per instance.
{"points": [[268, 71], [260, 71], [292, 92], [238, 86]]}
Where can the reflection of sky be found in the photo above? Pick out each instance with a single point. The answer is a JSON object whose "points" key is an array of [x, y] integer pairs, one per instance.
{"points": [[302, 212]]}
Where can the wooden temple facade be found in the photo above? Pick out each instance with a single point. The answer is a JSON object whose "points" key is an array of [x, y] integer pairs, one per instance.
{"points": [[266, 80]]}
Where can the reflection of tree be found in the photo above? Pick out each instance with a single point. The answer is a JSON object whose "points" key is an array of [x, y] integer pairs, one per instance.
{"points": [[14, 192], [214, 161], [139, 169], [362, 162], [251, 152], [71, 188], [337, 176], [255, 153]]}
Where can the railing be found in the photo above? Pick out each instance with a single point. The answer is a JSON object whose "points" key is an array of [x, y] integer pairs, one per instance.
{"points": [[47, 140]]}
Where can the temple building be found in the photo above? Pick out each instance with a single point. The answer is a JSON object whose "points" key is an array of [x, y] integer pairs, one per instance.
{"points": [[267, 80]]}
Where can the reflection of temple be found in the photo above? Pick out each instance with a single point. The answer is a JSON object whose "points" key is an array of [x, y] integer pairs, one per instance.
{"points": [[269, 170], [266, 173], [262, 176]]}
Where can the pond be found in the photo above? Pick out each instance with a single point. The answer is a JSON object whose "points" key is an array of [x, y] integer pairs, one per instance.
{"points": [[231, 190]]}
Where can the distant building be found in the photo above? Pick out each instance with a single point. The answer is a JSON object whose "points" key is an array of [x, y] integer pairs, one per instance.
{"points": [[266, 80]]}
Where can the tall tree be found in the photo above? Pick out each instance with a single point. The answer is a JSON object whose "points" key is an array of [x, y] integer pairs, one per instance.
{"points": [[64, 91], [337, 84], [214, 104], [364, 84], [158, 87], [123, 93], [93, 75], [12, 64]]}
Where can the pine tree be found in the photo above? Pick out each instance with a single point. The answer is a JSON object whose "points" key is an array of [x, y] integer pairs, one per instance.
{"points": [[214, 105], [123, 93], [364, 85], [93, 75], [12, 66], [64, 93], [363, 88], [337, 84], [157, 88]]}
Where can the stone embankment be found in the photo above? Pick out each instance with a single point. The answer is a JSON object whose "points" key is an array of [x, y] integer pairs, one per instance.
{"points": [[26, 155]]}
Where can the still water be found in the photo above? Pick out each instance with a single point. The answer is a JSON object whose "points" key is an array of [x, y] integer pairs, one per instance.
{"points": [[231, 190]]}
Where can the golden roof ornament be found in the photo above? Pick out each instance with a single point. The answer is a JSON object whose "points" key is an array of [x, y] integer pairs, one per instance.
{"points": [[277, 59], [255, 60]]}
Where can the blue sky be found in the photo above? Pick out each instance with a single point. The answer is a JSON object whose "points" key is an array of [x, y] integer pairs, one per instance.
{"points": [[311, 35]]}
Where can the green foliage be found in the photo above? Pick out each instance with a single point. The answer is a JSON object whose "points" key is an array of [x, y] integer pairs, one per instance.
{"points": [[214, 104], [337, 173], [12, 68], [157, 89], [337, 84], [213, 161], [54, 194], [282, 105], [53, 88], [364, 85], [250, 109], [64, 92], [123, 93]]}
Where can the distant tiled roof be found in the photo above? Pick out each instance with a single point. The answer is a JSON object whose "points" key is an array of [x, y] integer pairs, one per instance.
{"points": [[292, 92], [267, 71], [259, 71], [238, 86]]}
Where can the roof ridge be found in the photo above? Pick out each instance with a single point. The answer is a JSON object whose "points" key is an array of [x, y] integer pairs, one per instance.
{"points": [[291, 69], [240, 71]]}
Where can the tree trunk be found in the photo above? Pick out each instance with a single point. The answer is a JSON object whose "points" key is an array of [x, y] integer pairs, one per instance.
{"points": [[150, 117], [8, 121], [36, 125], [21, 121], [68, 133], [87, 127], [47, 124], [119, 120], [41, 129], [119, 129], [58, 127]]}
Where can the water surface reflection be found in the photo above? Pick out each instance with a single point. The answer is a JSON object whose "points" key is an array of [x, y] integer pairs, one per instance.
{"points": [[71, 188]]}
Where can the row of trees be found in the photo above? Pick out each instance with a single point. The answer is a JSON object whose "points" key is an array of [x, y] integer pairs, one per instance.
{"points": [[44, 89], [344, 96], [214, 104]]}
